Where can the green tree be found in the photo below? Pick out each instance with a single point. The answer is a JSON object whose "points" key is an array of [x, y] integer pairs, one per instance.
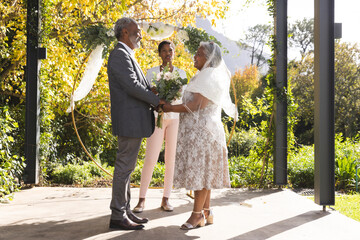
{"points": [[301, 35], [347, 88], [66, 53], [301, 76], [255, 41], [347, 91]]}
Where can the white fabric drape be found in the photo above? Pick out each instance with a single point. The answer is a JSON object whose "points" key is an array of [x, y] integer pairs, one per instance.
{"points": [[158, 31], [91, 72]]}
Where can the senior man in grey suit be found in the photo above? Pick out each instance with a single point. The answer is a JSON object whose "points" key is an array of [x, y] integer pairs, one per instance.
{"points": [[132, 104]]}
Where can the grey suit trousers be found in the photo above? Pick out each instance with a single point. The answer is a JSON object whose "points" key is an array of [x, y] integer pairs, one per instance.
{"points": [[128, 149]]}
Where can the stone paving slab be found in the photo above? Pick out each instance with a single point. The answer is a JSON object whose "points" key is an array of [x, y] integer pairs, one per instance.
{"points": [[83, 213]]}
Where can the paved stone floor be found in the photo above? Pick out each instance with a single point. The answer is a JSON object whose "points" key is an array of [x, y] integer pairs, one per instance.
{"points": [[83, 213]]}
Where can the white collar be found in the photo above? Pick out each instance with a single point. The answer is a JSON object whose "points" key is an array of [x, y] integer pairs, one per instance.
{"points": [[132, 53]]}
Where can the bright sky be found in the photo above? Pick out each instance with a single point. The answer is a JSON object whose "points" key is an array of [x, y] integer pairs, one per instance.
{"points": [[239, 18]]}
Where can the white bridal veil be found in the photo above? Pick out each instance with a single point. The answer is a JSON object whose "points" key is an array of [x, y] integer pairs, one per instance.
{"points": [[213, 81]]}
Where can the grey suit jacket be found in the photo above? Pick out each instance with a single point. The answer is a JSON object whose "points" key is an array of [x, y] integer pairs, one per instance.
{"points": [[131, 99]]}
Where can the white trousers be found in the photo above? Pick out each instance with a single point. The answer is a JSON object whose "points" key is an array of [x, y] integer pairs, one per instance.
{"points": [[154, 143]]}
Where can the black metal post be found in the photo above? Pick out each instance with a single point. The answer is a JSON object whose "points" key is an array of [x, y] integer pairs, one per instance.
{"points": [[324, 103], [280, 154], [32, 128]]}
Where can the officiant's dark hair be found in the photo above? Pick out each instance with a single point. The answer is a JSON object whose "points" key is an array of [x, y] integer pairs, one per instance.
{"points": [[161, 45], [121, 24]]}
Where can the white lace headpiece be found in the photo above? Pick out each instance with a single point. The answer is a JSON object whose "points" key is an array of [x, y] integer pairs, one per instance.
{"points": [[213, 80]]}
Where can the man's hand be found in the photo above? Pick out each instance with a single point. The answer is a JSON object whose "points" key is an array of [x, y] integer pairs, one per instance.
{"points": [[153, 89]]}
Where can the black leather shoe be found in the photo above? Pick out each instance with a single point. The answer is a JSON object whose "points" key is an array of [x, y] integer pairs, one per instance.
{"points": [[125, 224], [136, 219]]}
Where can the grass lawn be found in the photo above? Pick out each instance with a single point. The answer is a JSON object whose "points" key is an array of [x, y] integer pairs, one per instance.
{"points": [[349, 205]]}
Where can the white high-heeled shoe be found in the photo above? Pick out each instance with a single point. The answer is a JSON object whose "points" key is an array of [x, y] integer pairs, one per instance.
{"points": [[138, 209], [140, 206], [210, 217], [165, 205], [188, 226]]}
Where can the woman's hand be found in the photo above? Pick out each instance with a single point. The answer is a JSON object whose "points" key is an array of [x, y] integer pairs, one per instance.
{"points": [[160, 105], [198, 102], [167, 107]]}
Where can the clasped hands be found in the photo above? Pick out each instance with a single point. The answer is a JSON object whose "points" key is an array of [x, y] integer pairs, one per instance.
{"points": [[163, 106]]}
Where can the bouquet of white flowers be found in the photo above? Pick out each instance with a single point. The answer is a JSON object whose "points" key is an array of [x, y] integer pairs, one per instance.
{"points": [[168, 85]]}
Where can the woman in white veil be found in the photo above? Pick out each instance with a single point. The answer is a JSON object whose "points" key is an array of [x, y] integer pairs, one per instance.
{"points": [[201, 156]]}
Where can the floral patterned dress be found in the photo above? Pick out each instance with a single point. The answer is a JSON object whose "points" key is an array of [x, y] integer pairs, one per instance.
{"points": [[201, 154]]}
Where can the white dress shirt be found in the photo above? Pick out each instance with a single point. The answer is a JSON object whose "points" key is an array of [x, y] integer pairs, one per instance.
{"points": [[132, 53]]}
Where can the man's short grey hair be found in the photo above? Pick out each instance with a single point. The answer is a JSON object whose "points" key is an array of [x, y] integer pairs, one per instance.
{"points": [[212, 53], [121, 24]]}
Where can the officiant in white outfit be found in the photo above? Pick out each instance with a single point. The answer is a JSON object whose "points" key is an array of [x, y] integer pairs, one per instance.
{"points": [[168, 132]]}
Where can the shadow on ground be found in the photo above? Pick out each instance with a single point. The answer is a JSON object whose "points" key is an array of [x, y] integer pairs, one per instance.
{"points": [[281, 226], [97, 228]]}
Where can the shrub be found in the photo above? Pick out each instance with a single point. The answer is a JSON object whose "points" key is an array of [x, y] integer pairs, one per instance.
{"points": [[70, 174], [345, 173], [347, 155], [244, 172], [241, 142], [78, 174], [301, 167], [11, 165], [157, 179]]}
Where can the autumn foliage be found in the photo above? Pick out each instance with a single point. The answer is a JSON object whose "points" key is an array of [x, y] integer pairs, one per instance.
{"points": [[245, 81], [61, 21]]}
